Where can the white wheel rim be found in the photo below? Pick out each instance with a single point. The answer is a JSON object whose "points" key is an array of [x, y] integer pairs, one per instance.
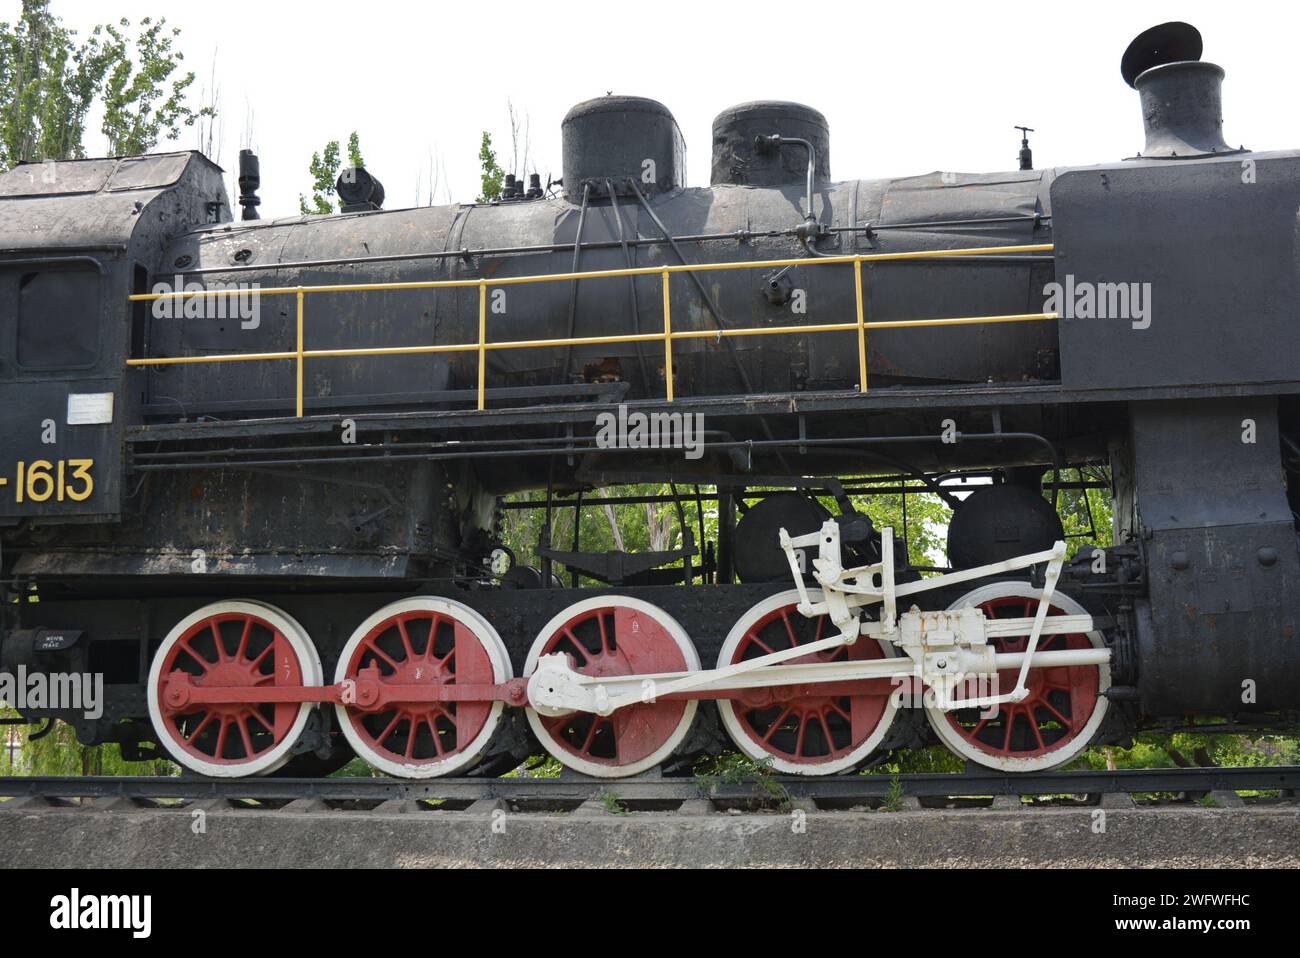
{"points": [[599, 769], [950, 737], [491, 644], [739, 734], [308, 663]]}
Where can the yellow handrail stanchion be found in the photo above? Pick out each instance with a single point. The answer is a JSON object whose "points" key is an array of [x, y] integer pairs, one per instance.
{"points": [[668, 337], [300, 352], [482, 344], [862, 327]]}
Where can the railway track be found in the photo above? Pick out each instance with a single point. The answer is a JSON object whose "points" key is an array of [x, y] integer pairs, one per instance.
{"points": [[572, 790]]}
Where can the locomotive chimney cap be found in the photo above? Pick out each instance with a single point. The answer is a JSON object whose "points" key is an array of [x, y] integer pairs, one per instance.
{"points": [[1182, 97], [1171, 42]]}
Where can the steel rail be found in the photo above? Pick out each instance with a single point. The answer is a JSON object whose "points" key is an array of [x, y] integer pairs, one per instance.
{"points": [[982, 782]]}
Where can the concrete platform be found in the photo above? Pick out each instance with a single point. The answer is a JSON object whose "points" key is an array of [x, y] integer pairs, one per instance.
{"points": [[1183, 836]]}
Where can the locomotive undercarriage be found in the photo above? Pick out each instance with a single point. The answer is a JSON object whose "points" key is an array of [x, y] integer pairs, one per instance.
{"points": [[440, 671]]}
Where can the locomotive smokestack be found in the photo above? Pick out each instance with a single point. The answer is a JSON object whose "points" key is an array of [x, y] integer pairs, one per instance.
{"points": [[1182, 110]]}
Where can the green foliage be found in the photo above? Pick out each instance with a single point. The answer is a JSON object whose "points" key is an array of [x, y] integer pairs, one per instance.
{"points": [[657, 526], [932, 759], [357, 768], [1158, 750], [142, 101], [324, 171], [537, 766], [733, 768], [47, 84], [926, 520], [893, 801], [613, 804], [492, 177], [49, 81], [59, 753], [1086, 514]]}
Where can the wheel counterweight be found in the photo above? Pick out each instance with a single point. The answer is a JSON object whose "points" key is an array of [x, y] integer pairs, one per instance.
{"points": [[803, 730], [417, 641], [616, 636], [1065, 705], [239, 643]]}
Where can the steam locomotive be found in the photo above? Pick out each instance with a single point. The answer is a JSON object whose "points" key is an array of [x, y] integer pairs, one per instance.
{"points": [[254, 473]]}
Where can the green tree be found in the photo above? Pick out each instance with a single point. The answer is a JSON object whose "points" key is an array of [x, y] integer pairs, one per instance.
{"points": [[324, 170], [143, 99], [49, 81], [657, 526], [59, 753], [493, 177], [1087, 514]]}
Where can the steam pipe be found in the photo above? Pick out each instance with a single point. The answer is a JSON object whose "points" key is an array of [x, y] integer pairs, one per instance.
{"points": [[775, 141], [738, 236], [573, 290]]}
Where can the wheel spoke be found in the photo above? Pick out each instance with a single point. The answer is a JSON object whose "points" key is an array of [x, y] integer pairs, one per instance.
{"points": [[244, 735], [1033, 724], [256, 664], [789, 627], [591, 735], [429, 655], [262, 721], [242, 653], [208, 718], [184, 646], [410, 736], [826, 731], [383, 736], [406, 639], [776, 726], [803, 728], [573, 639], [372, 646], [1053, 709], [215, 628]]}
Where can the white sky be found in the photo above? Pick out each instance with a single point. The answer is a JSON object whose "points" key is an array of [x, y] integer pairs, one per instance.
{"points": [[907, 88]]}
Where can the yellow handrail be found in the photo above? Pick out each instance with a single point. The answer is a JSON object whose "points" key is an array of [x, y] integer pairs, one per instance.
{"points": [[668, 336]]}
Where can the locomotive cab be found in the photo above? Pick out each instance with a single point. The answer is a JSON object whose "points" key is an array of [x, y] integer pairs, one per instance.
{"points": [[76, 239]]}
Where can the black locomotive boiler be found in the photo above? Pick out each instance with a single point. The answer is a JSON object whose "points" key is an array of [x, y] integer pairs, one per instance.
{"points": [[252, 472]]}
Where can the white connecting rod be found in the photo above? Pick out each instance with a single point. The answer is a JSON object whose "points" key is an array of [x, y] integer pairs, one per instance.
{"points": [[631, 689]]}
